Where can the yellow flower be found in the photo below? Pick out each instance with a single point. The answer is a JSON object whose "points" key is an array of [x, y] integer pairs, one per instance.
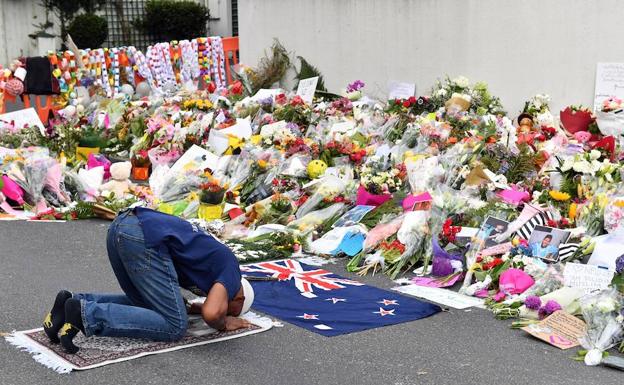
{"points": [[262, 163], [559, 196], [619, 203], [572, 211]]}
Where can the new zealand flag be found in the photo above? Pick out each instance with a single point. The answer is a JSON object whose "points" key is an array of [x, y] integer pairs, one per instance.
{"points": [[326, 303]]}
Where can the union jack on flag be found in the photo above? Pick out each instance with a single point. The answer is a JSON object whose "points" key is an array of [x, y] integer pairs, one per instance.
{"points": [[305, 280]]}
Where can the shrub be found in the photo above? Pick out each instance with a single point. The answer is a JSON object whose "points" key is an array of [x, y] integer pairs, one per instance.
{"points": [[167, 20], [88, 30]]}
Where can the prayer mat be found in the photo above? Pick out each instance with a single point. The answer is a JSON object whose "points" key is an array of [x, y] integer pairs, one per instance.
{"points": [[325, 303], [99, 351]]}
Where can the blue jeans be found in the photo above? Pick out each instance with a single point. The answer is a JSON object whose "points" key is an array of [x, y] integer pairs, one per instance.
{"points": [[152, 306]]}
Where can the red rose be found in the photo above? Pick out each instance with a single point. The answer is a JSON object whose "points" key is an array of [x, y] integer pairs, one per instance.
{"points": [[412, 99], [297, 101], [237, 88], [406, 104], [212, 87], [281, 99]]}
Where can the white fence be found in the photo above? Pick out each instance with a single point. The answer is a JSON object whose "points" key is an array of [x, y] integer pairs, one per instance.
{"points": [[519, 47]]}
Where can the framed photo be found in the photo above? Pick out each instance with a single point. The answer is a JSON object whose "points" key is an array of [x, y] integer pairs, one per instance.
{"points": [[544, 242], [491, 228]]}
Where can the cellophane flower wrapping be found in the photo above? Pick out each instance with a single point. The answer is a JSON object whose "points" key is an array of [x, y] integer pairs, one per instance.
{"points": [[601, 312], [327, 188]]}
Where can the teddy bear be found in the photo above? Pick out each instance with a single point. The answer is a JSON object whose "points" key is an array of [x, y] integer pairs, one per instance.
{"points": [[119, 184]]}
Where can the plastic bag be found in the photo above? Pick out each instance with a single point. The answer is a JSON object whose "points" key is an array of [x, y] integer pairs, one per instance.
{"points": [[328, 188], [313, 219], [604, 324]]}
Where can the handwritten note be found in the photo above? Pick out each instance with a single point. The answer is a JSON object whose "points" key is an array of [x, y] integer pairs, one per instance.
{"points": [[560, 329], [609, 82], [586, 277], [20, 119], [306, 88], [401, 90]]}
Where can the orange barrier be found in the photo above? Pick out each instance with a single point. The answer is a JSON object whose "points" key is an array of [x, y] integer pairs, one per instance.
{"points": [[230, 45], [42, 110]]}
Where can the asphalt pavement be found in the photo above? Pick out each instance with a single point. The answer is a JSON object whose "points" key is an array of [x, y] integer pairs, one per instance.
{"points": [[454, 347]]}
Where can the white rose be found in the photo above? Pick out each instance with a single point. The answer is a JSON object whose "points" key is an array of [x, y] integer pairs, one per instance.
{"points": [[606, 305], [441, 92], [567, 164], [594, 154], [461, 81]]}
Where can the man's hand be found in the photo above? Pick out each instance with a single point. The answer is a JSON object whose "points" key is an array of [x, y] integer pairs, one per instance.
{"points": [[235, 323]]}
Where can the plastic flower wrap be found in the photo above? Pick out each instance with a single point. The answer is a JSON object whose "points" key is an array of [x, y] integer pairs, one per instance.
{"points": [[604, 323], [328, 188], [312, 220]]}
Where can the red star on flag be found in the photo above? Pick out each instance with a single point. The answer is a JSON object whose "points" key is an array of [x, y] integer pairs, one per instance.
{"points": [[387, 302], [308, 316], [334, 300], [383, 312]]}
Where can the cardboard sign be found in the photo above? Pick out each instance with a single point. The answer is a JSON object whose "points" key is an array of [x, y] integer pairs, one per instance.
{"points": [[306, 89], [609, 82], [586, 277], [19, 119], [442, 296], [401, 90], [560, 329]]}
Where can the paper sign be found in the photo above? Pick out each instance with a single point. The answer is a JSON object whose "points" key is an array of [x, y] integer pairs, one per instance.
{"points": [[560, 329], [306, 88], [442, 296], [609, 82], [22, 118], [586, 277], [401, 90]]}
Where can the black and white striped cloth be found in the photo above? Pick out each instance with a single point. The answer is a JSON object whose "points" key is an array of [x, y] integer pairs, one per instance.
{"points": [[567, 249], [539, 219]]}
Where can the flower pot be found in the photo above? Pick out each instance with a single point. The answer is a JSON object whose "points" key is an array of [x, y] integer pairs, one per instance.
{"points": [[82, 153], [575, 121], [368, 199], [212, 198], [209, 212], [140, 173]]}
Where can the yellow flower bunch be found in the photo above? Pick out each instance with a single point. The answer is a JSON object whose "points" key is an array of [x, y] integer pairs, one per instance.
{"points": [[200, 104], [559, 195]]}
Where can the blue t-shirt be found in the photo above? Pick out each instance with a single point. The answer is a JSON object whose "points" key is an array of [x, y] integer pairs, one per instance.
{"points": [[542, 252], [199, 259]]}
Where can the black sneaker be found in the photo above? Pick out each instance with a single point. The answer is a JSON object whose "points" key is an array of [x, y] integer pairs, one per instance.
{"points": [[56, 317]]}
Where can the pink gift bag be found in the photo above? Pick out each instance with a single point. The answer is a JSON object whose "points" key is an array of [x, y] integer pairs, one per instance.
{"points": [[368, 199]]}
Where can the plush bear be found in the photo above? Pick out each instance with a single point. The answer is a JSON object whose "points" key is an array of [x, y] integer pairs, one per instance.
{"points": [[120, 180]]}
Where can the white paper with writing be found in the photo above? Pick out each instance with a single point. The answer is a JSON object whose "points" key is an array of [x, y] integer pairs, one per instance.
{"points": [[306, 88], [586, 277], [401, 90], [19, 119], [442, 296], [609, 82]]}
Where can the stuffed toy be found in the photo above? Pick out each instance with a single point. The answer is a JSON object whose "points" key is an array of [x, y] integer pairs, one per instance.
{"points": [[120, 180]]}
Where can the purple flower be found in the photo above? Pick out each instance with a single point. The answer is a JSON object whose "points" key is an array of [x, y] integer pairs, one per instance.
{"points": [[533, 302], [267, 102], [619, 264], [355, 86], [552, 306]]}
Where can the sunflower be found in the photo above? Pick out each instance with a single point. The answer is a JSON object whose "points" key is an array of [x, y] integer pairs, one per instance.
{"points": [[559, 195]]}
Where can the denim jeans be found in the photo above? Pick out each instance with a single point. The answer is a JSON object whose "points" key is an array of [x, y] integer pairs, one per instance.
{"points": [[152, 306]]}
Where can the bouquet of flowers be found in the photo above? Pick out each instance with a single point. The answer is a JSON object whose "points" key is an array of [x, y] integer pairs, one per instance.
{"points": [[601, 312]]}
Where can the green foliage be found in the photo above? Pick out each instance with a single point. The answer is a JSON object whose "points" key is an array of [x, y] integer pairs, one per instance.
{"points": [[306, 71], [521, 166], [92, 137], [88, 30], [65, 10], [271, 69], [174, 20]]}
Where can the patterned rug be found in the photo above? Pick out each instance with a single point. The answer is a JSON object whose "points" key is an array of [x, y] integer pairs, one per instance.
{"points": [[99, 351]]}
